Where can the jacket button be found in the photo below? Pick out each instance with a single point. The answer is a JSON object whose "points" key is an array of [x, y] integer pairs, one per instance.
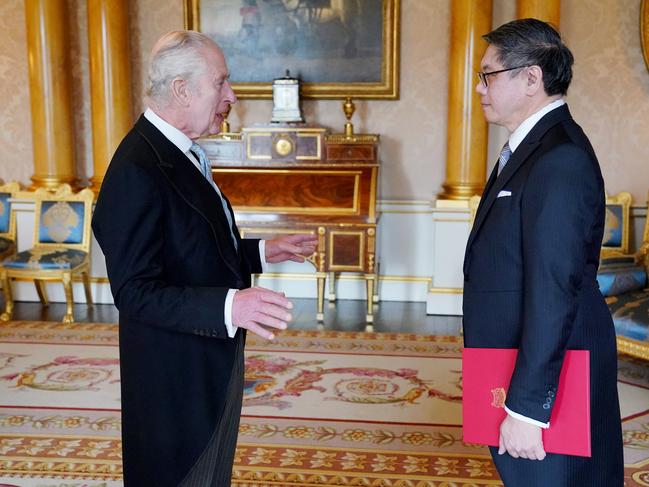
{"points": [[546, 406]]}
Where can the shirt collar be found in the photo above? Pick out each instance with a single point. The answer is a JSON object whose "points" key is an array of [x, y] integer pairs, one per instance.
{"points": [[175, 136], [528, 124]]}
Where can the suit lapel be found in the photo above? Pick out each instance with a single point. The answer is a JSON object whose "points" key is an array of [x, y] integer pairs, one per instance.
{"points": [[192, 187], [518, 158]]}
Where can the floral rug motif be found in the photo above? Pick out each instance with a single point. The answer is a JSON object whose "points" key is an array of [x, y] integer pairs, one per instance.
{"points": [[320, 409]]}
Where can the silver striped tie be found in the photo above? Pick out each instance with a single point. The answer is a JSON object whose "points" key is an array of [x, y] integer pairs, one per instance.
{"points": [[505, 153]]}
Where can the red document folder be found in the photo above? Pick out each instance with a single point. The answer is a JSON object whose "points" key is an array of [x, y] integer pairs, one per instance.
{"points": [[486, 373]]}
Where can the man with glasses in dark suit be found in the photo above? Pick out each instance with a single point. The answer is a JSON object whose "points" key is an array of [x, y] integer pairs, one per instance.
{"points": [[532, 257]]}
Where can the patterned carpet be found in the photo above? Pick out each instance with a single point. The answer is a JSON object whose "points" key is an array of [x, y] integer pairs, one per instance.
{"points": [[320, 409]]}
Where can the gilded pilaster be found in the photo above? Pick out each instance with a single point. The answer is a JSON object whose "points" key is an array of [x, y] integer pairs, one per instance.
{"points": [[49, 89], [546, 10], [466, 153], [110, 80]]}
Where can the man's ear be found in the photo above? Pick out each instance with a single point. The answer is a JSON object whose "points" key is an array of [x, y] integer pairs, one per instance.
{"points": [[534, 79], [180, 91]]}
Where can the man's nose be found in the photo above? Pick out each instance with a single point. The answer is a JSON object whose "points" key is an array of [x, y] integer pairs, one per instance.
{"points": [[230, 95], [480, 88]]}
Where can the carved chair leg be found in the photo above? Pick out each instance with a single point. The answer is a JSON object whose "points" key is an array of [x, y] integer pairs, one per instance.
{"points": [[67, 287], [41, 289], [369, 317], [375, 297], [321, 289], [86, 287], [9, 302], [332, 287]]}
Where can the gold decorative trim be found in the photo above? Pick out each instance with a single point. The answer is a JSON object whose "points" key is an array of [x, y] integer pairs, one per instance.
{"points": [[623, 199], [406, 212], [373, 187], [282, 128], [12, 188], [644, 30], [634, 348], [445, 290], [76, 278], [353, 139], [228, 136], [386, 89]]}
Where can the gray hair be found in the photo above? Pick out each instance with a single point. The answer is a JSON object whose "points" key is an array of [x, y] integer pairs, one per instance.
{"points": [[177, 54]]}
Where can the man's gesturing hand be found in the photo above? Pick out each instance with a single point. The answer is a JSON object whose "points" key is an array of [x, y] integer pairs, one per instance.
{"points": [[256, 308], [290, 247], [521, 439]]}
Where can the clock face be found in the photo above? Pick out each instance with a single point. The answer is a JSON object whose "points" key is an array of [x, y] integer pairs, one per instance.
{"points": [[283, 146]]}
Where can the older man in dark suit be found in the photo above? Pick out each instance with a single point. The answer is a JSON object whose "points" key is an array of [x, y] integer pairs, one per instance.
{"points": [[532, 258], [180, 276]]}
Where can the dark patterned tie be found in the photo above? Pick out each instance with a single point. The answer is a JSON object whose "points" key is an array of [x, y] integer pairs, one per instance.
{"points": [[504, 157], [206, 169]]}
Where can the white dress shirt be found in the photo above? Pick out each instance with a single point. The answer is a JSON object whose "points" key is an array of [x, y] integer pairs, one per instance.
{"points": [[184, 143], [515, 140]]}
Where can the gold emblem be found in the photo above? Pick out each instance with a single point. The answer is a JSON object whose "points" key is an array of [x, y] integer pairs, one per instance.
{"points": [[60, 220], [499, 396], [283, 146]]}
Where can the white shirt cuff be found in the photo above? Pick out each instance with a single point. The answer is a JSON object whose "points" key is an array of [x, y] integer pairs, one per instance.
{"points": [[262, 255], [526, 419], [229, 299]]}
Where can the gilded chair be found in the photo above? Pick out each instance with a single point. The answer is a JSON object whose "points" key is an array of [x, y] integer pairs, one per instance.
{"points": [[61, 247], [616, 226], [624, 281], [7, 220]]}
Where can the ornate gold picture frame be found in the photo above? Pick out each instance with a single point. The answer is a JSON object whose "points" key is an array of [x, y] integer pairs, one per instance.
{"points": [[338, 48]]}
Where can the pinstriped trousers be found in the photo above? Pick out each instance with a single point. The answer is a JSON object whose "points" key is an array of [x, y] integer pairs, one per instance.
{"points": [[214, 467]]}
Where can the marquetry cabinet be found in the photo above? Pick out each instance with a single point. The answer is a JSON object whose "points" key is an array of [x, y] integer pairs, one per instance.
{"points": [[297, 178]]}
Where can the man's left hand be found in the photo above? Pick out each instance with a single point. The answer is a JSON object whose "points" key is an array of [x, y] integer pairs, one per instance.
{"points": [[290, 247], [521, 439]]}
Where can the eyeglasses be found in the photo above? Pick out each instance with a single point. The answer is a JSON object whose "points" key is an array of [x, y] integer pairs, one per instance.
{"points": [[483, 76]]}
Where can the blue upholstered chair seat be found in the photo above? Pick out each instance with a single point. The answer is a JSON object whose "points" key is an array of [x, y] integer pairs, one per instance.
{"points": [[614, 279], [5, 244], [45, 259], [631, 315]]}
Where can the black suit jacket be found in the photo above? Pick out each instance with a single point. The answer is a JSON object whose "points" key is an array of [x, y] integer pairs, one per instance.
{"points": [[530, 272], [170, 261]]}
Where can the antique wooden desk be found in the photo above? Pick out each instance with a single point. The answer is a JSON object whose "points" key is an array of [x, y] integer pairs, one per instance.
{"points": [[297, 178]]}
